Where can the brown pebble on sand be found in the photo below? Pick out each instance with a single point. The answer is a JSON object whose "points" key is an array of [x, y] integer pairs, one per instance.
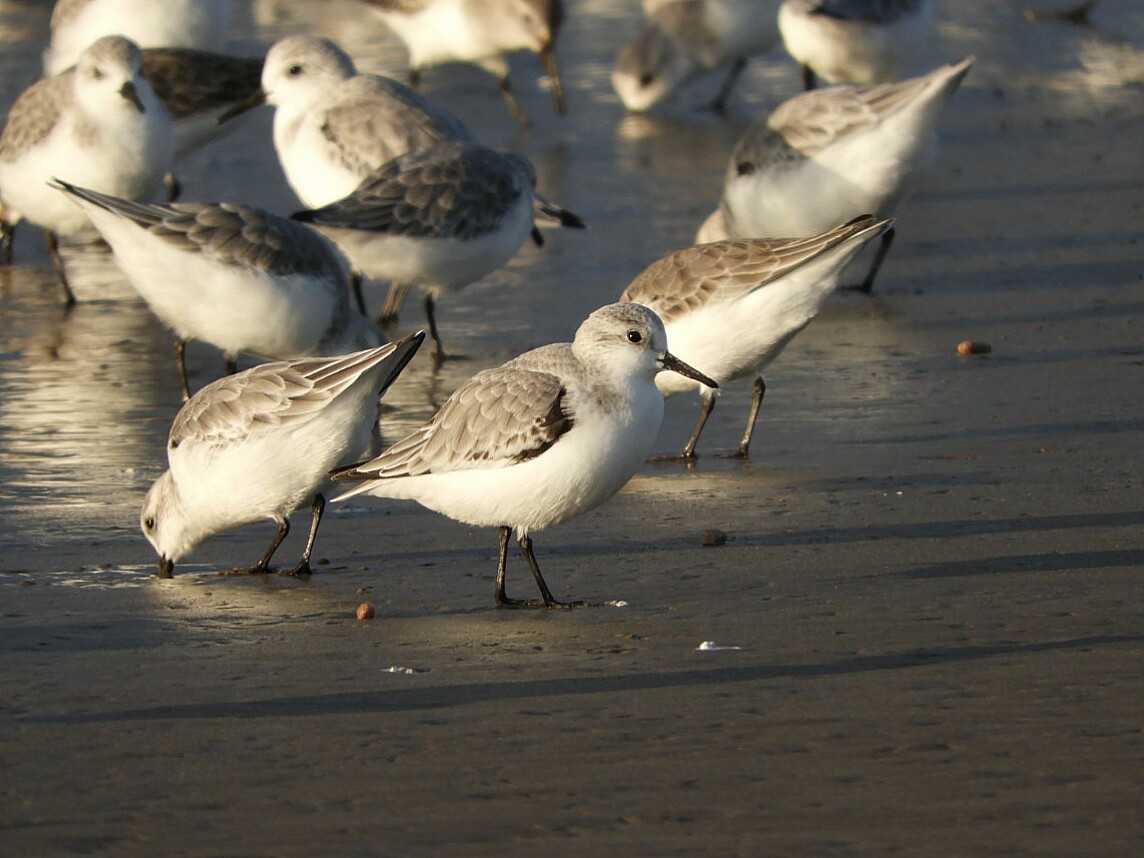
{"points": [[714, 537], [973, 347], [365, 611]]}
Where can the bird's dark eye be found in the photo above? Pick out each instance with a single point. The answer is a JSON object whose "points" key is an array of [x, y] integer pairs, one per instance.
{"points": [[294, 71], [635, 337], [97, 74], [646, 79], [149, 524]]}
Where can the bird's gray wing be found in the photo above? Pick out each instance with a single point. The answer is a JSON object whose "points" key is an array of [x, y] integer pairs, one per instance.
{"points": [[377, 120], [191, 82], [406, 6], [228, 233], [868, 11], [266, 398], [452, 190], [498, 418], [689, 279], [34, 115]]}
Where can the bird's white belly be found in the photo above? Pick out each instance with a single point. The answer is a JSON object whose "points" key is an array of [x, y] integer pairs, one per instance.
{"points": [[583, 469], [442, 33], [312, 169], [436, 264]]}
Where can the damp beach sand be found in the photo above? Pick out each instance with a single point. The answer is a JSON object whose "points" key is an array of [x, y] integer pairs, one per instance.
{"points": [[932, 567]]}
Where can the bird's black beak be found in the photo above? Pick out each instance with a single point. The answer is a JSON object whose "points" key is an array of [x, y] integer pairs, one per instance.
{"points": [[668, 361], [241, 107], [552, 68], [128, 91], [166, 568]]}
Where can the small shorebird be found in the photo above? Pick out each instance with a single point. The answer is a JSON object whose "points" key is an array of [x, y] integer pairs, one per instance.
{"points": [[479, 32], [334, 126], [261, 443], [731, 307], [543, 438], [236, 277], [150, 24], [852, 41], [832, 154], [685, 38], [439, 218], [99, 124]]}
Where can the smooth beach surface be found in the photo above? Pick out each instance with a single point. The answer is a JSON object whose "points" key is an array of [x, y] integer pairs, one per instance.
{"points": [[933, 570]]}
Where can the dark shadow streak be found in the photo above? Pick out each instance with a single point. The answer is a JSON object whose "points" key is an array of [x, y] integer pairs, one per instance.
{"points": [[447, 696], [1050, 562]]}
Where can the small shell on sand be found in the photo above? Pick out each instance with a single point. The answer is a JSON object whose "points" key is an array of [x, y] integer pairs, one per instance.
{"points": [[973, 347], [366, 611]]}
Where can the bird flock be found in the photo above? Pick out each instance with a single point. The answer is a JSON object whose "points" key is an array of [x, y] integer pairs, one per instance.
{"points": [[396, 191]]}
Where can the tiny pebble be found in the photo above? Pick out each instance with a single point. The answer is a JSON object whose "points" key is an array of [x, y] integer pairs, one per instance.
{"points": [[714, 537], [365, 611], [973, 347]]}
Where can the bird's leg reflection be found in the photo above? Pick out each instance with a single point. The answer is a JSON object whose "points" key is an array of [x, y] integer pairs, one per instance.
{"points": [[510, 100], [7, 234], [393, 301], [303, 567]]}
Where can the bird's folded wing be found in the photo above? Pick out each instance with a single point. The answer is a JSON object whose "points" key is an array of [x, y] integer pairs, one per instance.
{"points": [[190, 82], [499, 418], [689, 279], [34, 115], [448, 191]]}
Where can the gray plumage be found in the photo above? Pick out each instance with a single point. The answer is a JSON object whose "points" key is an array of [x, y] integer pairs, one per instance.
{"points": [[451, 190], [500, 417], [228, 233], [34, 115], [866, 11], [191, 82], [686, 280], [238, 408]]}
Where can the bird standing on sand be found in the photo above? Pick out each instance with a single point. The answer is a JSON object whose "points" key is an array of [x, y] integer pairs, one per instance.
{"points": [[100, 125], [543, 438], [731, 307], [260, 443], [833, 154]]}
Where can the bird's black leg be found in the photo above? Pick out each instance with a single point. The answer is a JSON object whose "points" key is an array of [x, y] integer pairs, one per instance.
{"points": [[174, 187], [317, 508], [414, 78], [719, 105], [867, 285], [503, 601], [510, 100], [439, 356], [7, 234], [757, 395], [545, 594], [808, 79], [231, 364], [61, 270], [181, 362], [706, 406], [393, 301], [355, 283], [263, 565]]}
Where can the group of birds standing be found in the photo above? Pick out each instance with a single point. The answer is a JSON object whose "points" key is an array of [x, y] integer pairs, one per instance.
{"points": [[395, 189]]}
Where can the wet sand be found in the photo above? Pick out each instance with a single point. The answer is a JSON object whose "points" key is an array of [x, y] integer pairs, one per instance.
{"points": [[932, 567]]}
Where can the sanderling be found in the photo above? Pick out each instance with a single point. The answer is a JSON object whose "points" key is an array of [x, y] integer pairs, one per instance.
{"points": [[852, 41], [685, 38], [171, 23], [479, 32], [99, 124], [333, 126], [258, 444], [732, 306], [198, 87], [236, 277], [439, 218], [832, 154], [547, 436]]}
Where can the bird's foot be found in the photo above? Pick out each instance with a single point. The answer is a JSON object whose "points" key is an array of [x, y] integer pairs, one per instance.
{"points": [[673, 459], [742, 453], [302, 570]]}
